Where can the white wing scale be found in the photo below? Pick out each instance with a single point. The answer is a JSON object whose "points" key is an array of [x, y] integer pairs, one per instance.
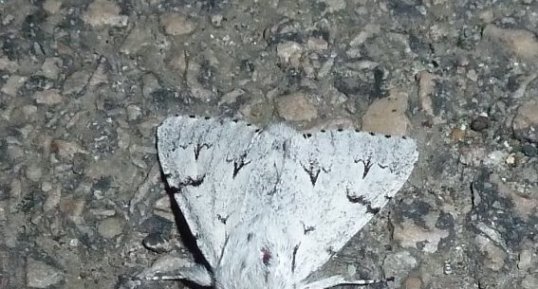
{"points": [[323, 187]]}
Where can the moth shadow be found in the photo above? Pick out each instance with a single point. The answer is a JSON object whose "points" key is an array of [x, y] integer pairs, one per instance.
{"points": [[188, 239]]}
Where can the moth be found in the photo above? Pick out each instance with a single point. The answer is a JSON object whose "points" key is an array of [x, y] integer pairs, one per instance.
{"points": [[269, 206]]}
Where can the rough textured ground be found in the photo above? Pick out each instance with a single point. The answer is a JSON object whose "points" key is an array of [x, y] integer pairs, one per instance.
{"points": [[83, 85]]}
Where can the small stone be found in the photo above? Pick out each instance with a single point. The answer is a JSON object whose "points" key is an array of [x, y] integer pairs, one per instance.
{"points": [[334, 5], [289, 53], [529, 150], [177, 61], [510, 160], [52, 6], [134, 112], [202, 94], [524, 205], [13, 84], [296, 107], [317, 44], [33, 172], [66, 150], [46, 186], [156, 224], [41, 275], [110, 227], [150, 84], [15, 189], [168, 263], [525, 124], [522, 43], [72, 208], [50, 68], [8, 65], [426, 89], [176, 24], [216, 20], [475, 156], [530, 282], [413, 283], [472, 75], [495, 256], [387, 115], [3, 210], [231, 97], [457, 134], [76, 82], [163, 210], [525, 259], [157, 243], [29, 112], [103, 212], [351, 270], [495, 158], [409, 235], [48, 97], [396, 263], [486, 16], [368, 31], [104, 13], [53, 199], [480, 123]]}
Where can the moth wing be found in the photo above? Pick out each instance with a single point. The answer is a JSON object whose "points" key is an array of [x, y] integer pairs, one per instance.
{"points": [[333, 183], [222, 168]]}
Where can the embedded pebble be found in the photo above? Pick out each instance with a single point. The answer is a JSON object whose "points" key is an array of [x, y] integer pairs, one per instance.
{"points": [[134, 112], [480, 123], [409, 235], [76, 82], [334, 5], [66, 150], [457, 134], [530, 282], [495, 256], [104, 12], [13, 84], [317, 44], [296, 107], [289, 53], [231, 97], [387, 115], [523, 43], [413, 283], [7, 64], [525, 124], [34, 172], [52, 6], [110, 227], [72, 208], [42, 275], [157, 243], [176, 24], [398, 262], [53, 199], [48, 97], [525, 260], [426, 89]]}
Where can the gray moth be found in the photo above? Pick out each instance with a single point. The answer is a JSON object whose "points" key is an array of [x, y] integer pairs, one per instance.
{"points": [[269, 206]]}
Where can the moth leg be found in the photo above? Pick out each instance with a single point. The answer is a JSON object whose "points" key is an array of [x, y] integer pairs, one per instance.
{"points": [[340, 280], [197, 274]]}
